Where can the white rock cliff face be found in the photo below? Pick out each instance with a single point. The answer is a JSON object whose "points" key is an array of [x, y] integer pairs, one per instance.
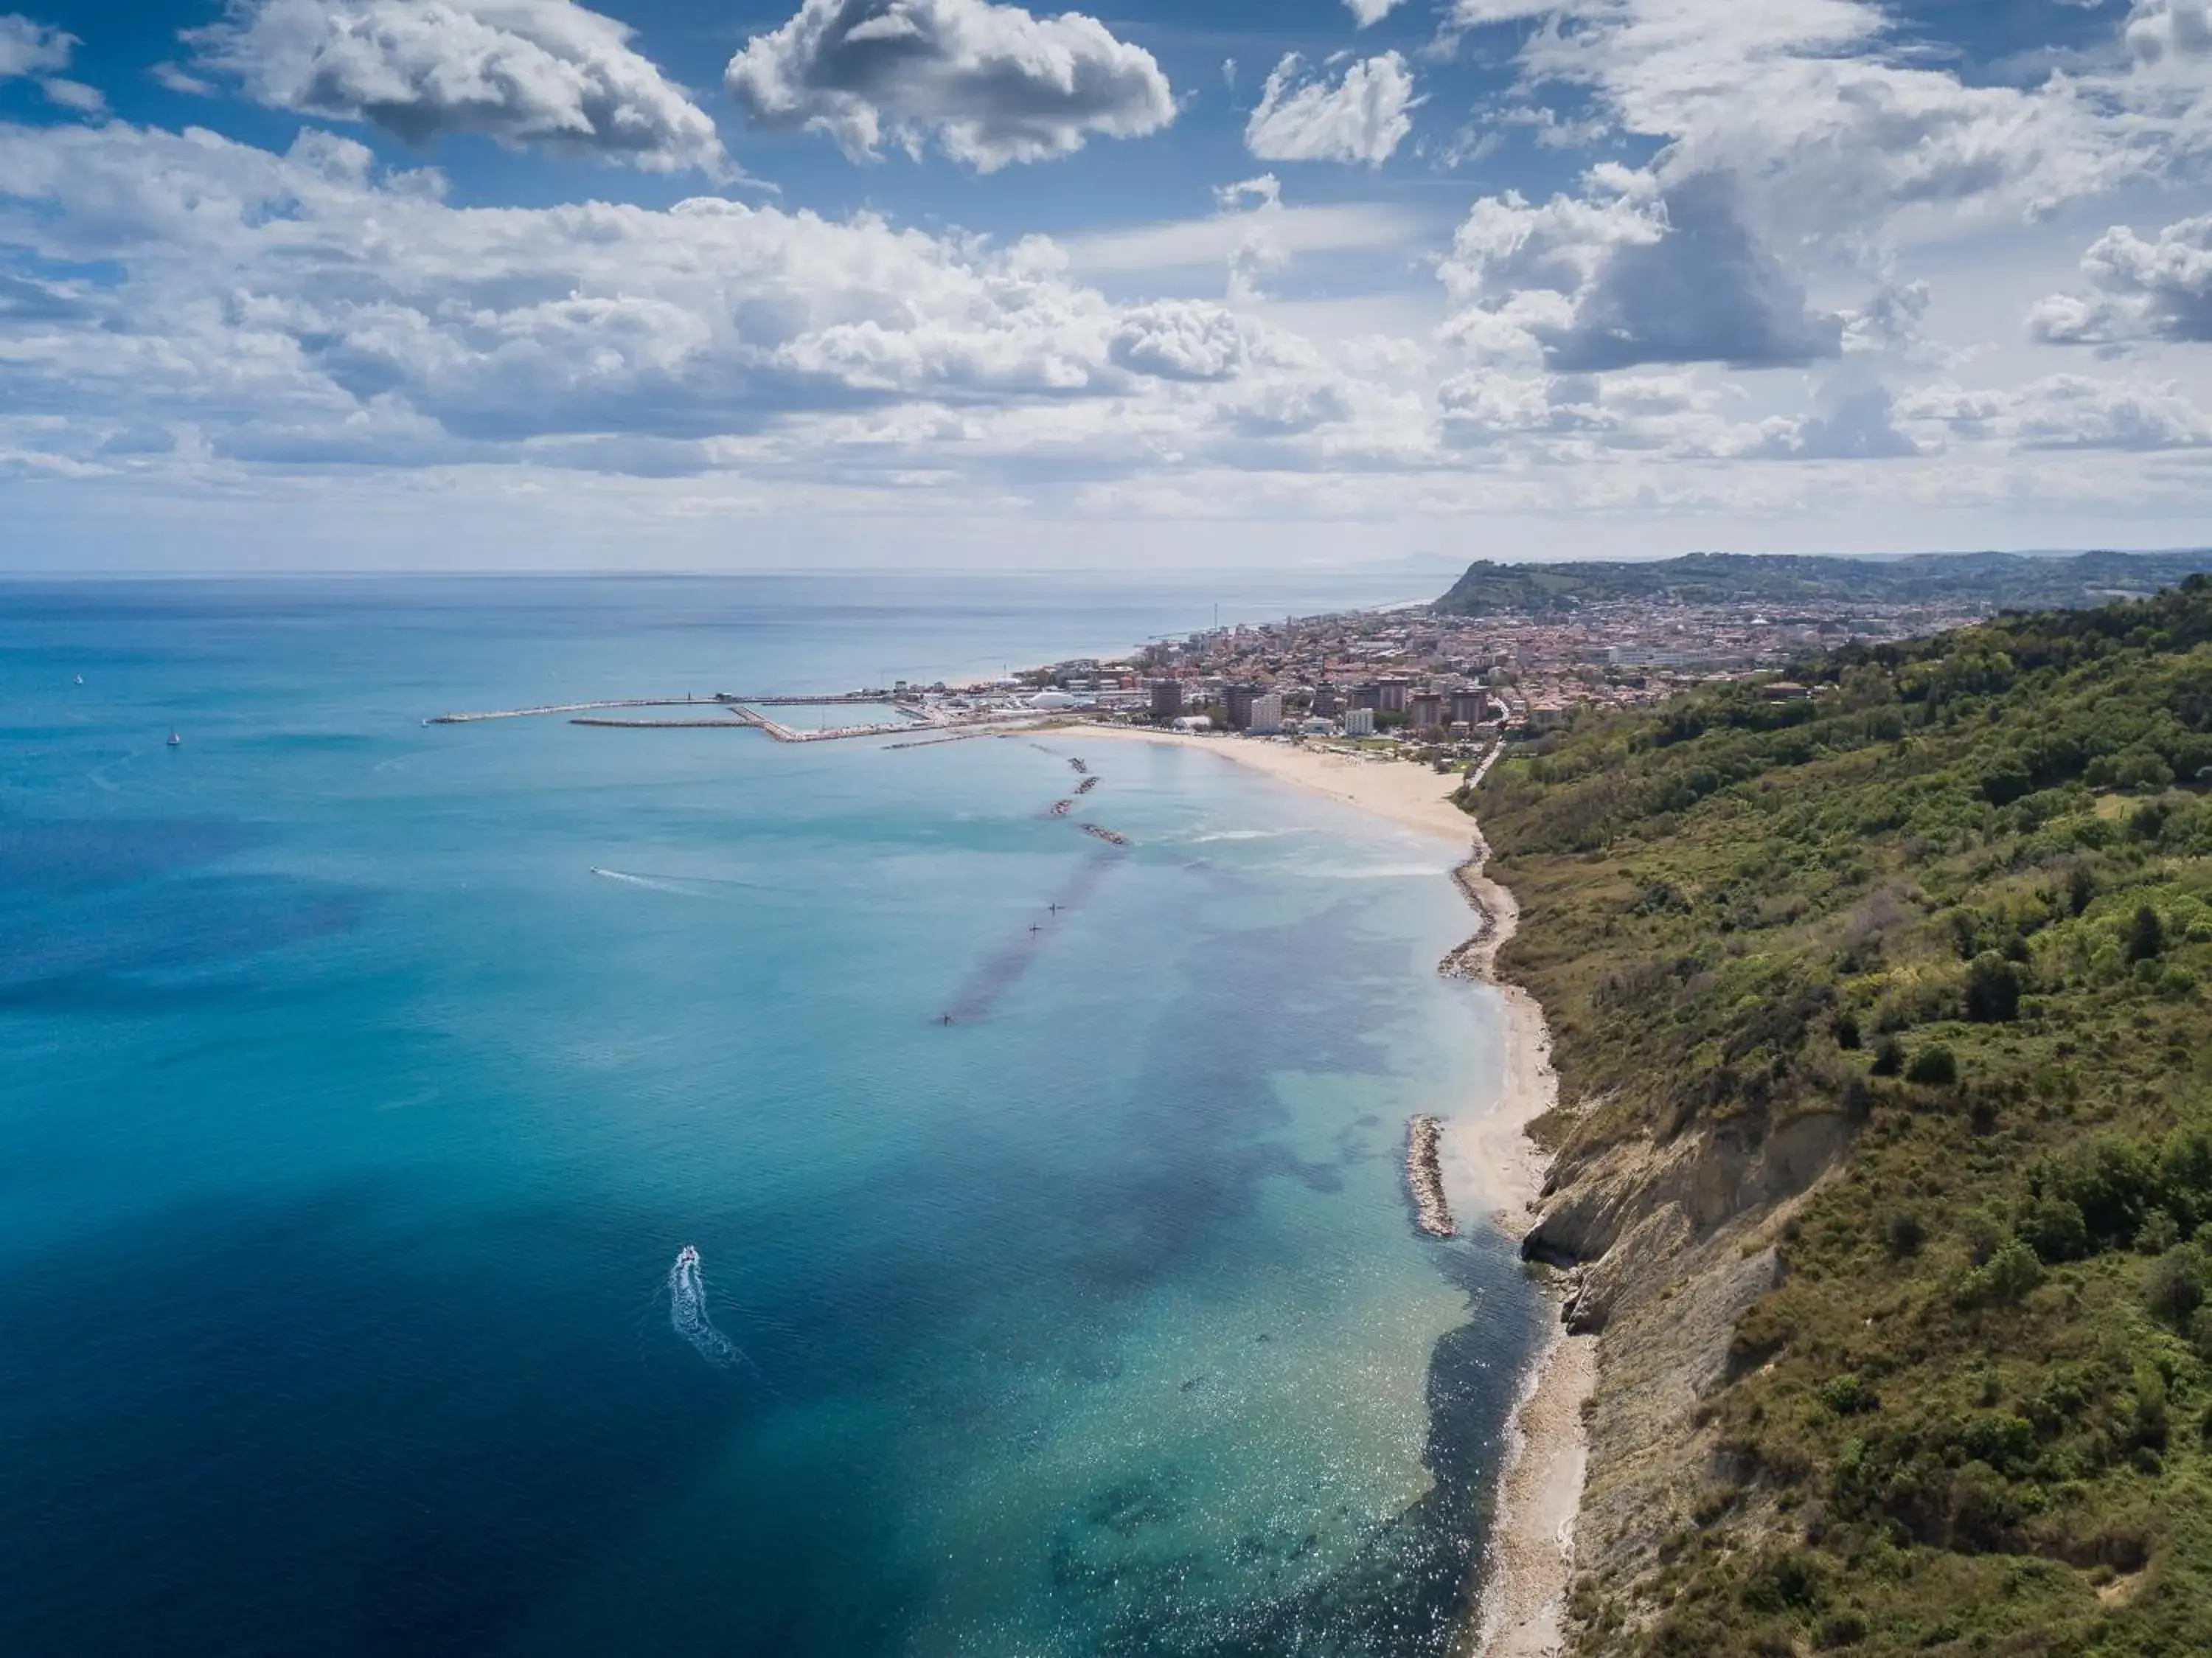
{"points": [[1667, 1246]]}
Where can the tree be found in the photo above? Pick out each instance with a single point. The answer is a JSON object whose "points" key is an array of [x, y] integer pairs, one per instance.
{"points": [[1933, 1065], [2174, 1287], [1992, 990], [2145, 935], [2055, 1230]]}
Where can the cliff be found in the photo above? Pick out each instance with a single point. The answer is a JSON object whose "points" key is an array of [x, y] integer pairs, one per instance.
{"points": [[1884, 1139]]}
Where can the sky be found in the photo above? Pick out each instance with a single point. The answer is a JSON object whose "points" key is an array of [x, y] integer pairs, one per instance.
{"points": [[481, 285]]}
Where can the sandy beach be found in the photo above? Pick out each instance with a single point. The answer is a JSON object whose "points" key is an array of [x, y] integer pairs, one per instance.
{"points": [[1490, 1156]]}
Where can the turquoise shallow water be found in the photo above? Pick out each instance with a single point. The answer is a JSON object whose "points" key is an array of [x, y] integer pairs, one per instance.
{"points": [[363, 1081]]}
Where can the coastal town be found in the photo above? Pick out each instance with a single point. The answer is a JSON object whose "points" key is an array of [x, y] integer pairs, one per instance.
{"points": [[1417, 677], [1414, 679]]}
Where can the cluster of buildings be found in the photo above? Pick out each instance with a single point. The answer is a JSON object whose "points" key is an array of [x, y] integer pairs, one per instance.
{"points": [[1355, 709], [1444, 680]]}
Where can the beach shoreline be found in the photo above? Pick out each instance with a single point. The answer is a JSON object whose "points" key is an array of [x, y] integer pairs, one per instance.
{"points": [[1520, 1611]]}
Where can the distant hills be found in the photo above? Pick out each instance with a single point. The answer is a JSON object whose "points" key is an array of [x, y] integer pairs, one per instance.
{"points": [[2001, 580]]}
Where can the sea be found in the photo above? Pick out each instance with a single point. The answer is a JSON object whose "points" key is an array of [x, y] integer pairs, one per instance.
{"points": [[363, 1080]]}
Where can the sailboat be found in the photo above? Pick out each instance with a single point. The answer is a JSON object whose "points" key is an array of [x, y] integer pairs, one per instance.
{"points": [[175, 742]]}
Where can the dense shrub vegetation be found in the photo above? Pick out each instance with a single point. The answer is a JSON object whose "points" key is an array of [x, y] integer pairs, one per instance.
{"points": [[1963, 894]]}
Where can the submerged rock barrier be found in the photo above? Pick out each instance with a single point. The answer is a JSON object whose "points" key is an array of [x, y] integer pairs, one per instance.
{"points": [[1425, 1176]]}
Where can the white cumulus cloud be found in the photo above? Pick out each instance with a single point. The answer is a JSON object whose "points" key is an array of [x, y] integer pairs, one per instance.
{"points": [[2169, 31], [990, 84], [75, 95], [312, 309], [1628, 274], [1367, 12], [522, 72], [1360, 116], [30, 48], [1791, 140], [2069, 413], [2155, 287], [1179, 339]]}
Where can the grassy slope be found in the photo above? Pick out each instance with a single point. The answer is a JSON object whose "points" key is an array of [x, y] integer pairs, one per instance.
{"points": [[1976, 1416]]}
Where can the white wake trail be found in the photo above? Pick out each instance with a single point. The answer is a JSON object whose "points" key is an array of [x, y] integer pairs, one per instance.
{"points": [[687, 1312], [647, 881]]}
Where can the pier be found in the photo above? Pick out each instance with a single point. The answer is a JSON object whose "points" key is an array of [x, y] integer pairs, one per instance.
{"points": [[662, 725], [1425, 1176], [904, 715], [562, 708]]}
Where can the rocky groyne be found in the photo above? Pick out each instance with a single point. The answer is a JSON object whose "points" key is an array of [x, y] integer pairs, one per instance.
{"points": [[1425, 1176]]}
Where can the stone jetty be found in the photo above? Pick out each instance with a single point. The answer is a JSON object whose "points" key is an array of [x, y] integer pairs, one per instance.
{"points": [[660, 725], [1425, 1176], [561, 708]]}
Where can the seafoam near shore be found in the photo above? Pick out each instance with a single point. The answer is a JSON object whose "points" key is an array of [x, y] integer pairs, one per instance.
{"points": [[1488, 1153]]}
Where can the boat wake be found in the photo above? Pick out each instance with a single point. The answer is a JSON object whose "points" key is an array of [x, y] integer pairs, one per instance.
{"points": [[647, 881], [687, 1312], [723, 888]]}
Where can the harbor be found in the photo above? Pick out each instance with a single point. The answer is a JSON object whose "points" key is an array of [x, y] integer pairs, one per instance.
{"points": [[944, 716]]}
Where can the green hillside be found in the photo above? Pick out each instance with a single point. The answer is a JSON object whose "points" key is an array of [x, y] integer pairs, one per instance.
{"points": [[1999, 579], [1965, 893]]}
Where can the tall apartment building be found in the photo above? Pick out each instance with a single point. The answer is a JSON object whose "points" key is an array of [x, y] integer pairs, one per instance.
{"points": [[1167, 698], [1237, 704], [1266, 715], [1427, 709], [1359, 723]]}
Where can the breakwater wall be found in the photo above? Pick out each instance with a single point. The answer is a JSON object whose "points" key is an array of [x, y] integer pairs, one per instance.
{"points": [[562, 708], [660, 725], [1425, 1176]]}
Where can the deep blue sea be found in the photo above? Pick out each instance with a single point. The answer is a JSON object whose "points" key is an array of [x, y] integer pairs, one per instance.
{"points": [[359, 1081]]}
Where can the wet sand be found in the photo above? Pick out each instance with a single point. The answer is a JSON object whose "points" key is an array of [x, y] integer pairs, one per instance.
{"points": [[1521, 1613]]}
